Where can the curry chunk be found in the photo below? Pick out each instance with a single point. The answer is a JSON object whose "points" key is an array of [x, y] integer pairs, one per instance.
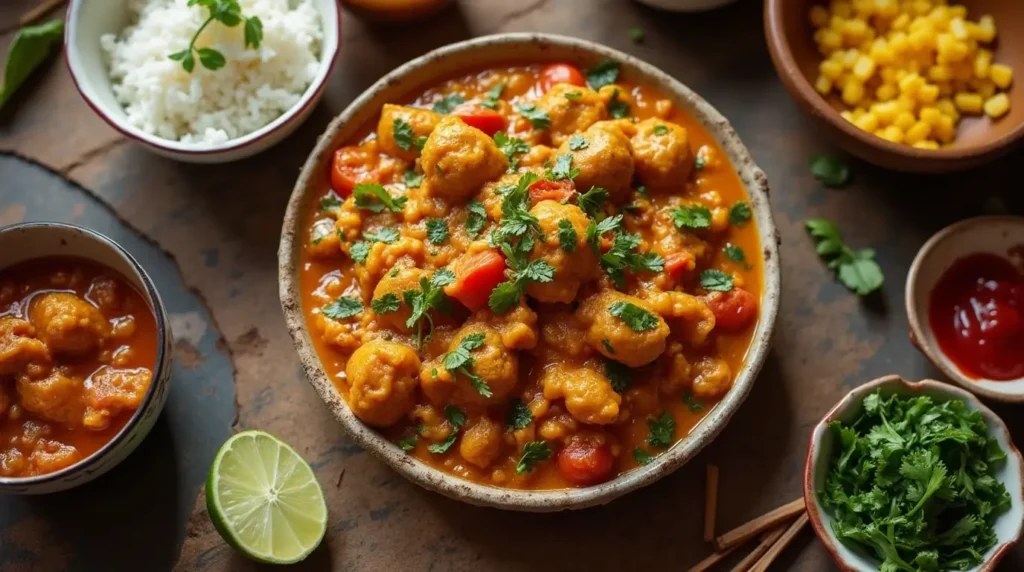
{"points": [[110, 391], [663, 156], [571, 109], [712, 378], [615, 337], [588, 395], [57, 398], [68, 324], [572, 267], [395, 283], [493, 363], [51, 455], [481, 443], [458, 160], [606, 161], [18, 347], [382, 382], [392, 134], [692, 319]]}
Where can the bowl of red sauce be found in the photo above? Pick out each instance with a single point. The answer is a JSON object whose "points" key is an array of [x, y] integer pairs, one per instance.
{"points": [[965, 303]]}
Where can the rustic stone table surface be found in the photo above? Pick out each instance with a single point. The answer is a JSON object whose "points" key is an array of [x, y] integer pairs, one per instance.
{"points": [[209, 234]]}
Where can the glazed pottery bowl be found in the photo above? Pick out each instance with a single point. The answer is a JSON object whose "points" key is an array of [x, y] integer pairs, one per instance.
{"points": [[999, 235], [485, 52], [87, 21], [27, 241], [822, 446], [979, 140]]}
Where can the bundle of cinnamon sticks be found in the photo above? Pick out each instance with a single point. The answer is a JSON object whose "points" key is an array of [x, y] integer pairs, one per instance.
{"points": [[775, 529]]}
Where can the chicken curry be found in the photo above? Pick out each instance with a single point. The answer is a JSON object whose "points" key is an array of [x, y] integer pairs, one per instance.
{"points": [[532, 277], [77, 348]]}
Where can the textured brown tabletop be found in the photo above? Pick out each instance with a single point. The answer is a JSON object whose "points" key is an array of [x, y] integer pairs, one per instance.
{"points": [[220, 225]]}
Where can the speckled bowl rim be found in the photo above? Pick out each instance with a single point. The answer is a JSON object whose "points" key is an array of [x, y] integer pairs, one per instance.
{"points": [[756, 184], [853, 399], [917, 328], [162, 359]]}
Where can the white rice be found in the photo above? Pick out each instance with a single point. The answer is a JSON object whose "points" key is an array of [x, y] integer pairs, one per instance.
{"points": [[255, 87]]}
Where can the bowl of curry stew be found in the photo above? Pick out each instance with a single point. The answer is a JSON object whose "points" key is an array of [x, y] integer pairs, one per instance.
{"points": [[84, 356], [530, 272]]}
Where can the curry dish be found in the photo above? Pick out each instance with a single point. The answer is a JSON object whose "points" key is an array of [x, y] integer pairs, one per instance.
{"points": [[77, 348], [532, 277]]}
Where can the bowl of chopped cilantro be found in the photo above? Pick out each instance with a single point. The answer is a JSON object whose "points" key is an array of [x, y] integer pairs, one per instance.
{"points": [[914, 476]]}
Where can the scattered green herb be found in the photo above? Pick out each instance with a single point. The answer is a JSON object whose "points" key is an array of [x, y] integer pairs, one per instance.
{"points": [[359, 250], [620, 376], [617, 108], [623, 254], [641, 456], [430, 296], [660, 130], [637, 318], [604, 73], [567, 235], [375, 198], [460, 361], [437, 230], [456, 418], [476, 219], [739, 213], [592, 201], [735, 253], [533, 452], [405, 138], [511, 146], [386, 304], [29, 48], [490, 99], [578, 142], [663, 429], [387, 235], [412, 180], [714, 280], [562, 169], [607, 346], [700, 162], [691, 217], [573, 95], [519, 416], [856, 269], [448, 103], [408, 443], [343, 307], [830, 170], [521, 271], [692, 403], [538, 117], [637, 35], [330, 202]]}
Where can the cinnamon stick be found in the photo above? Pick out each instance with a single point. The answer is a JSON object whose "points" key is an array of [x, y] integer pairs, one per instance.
{"points": [[767, 541], [35, 14], [781, 544], [710, 503], [744, 532]]}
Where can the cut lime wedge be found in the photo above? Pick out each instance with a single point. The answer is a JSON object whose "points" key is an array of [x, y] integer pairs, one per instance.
{"points": [[265, 500]]}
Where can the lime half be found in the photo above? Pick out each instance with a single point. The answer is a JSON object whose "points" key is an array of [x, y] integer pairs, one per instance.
{"points": [[265, 500]]}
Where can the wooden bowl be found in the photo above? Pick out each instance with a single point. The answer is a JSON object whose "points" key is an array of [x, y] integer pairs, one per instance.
{"points": [[979, 139], [498, 50]]}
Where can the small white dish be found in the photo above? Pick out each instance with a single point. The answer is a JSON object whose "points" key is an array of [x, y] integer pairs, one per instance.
{"points": [[87, 21], [822, 442], [27, 241], [990, 234]]}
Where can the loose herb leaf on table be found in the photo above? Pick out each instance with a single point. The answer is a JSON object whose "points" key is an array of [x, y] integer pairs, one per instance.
{"points": [[831, 171], [856, 269], [28, 50]]}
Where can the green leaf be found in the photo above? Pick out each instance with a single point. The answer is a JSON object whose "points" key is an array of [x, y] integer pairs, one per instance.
{"points": [[637, 318], [476, 219], [330, 202], [533, 452], [663, 430], [405, 137], [692, 403], [375, 198], [660, 130], [519, 416], [29, 48], [642, 457], [567, 237], [620, 376], [573, 95], [411, 180], [188, 62], [715, 280], [456, 418], [448, 103], [386, 303], [578, 142], [359, 251], [602, 74], [592, 201], [211, 58], [408, 443], [437, 230], [511, 146], [830, 170], [691, 217], [608, 346], [739, 213], [538, 117], [460, 362], [387, 235], [735, 253], [253, 32], [562, 170], [637, 36], [699, 162], [862, 274], [504, 297], [492, 96], [857, 270], [617, 108], [342, 308]]}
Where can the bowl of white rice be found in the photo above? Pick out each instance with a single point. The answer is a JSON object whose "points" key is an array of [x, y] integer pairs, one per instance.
{"points": [[210, 82]]}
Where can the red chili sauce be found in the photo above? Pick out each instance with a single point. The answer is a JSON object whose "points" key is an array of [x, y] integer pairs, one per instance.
{"points": [[977, 314]]}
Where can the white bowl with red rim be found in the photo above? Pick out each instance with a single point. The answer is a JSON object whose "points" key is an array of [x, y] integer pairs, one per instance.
{"points": [[87, 21], [822, 444], [998, 235]]}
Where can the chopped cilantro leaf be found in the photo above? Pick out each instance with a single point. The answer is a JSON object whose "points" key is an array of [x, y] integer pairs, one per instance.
{"points": [[642, 191], [739, 213], [511, 146], [715, 280], [692, 402], [608, 346], [573, 95], [375, 198], [343, 307], [359, 251], [490, 99], [412, 180], [405, 138], [386, 303], [533, 452], [616, 107], [538, 117], [735, 253], [619, 375], [637, 35], [448, 103], [330, 202], [663, 430], [623, 255], [387, 235], [637, 318], [456, 418], [642, 457], [592, 201], [567, 235], [856, 269], [699, 162], [437, 230], [460, 361], [660, 130], [578, 142], [476, 219], [602, 74], [519, 416], [408, 443], [691, 217], [430, 296], [562, 170], [831, 171]]}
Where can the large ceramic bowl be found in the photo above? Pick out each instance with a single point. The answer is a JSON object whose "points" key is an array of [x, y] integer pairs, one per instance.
{"points": [[822, 446], [22, 242], [493, 51]]}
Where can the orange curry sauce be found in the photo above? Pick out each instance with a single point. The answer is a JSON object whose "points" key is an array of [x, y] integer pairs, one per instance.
{"points": [[689, 375], [77, 347]]}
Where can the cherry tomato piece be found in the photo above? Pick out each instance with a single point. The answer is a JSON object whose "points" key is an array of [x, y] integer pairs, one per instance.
{"points": [[677, 264], [561, 73], [733, 310], [350, 167], [475, 277], [547, 190], [585, 462], [487, 120]]}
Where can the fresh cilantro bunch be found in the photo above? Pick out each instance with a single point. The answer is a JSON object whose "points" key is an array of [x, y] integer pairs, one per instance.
{"points": [[228, 13], [912, 482], [856, 269]]}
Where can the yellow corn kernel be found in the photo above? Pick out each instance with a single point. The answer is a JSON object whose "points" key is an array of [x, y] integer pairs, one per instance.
{"points": [[886, 111], [939, 16], [944, 130], [997, 105], [911, 83], [921, 7], [842, 8], [958, 11], [836, 23], [940, 73], [986, 31], [898, 42], [982, 63], [906, 103], [819, 16], [928, 93], [917, 132], [921, 38], [867, 122], [829, 40], [855, 30], [831, 69], [904, 120], [985, 88], [947, 107], [885, 92], [1001, 75], [847, 115], [853, 92], [968, 102], [864, 68], [892, 133], [900, 22], [927, 144], [881, 53], [823, 85], [886, 8], [930, 115], [950, 49], [850, 59], [958, 29]]}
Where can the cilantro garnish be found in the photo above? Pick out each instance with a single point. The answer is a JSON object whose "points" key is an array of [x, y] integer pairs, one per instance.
{"points": [[511, 146], [622, 255], [343, 307], [477, 218], [228, 13], [912, 481], [359, 250], [388, 235], [641, 456], [637, 318], [715, 280], [856, 269], [562, 169], [430, 296], [520, 272], [619, 375], [602, 74], [699, 162], [538, 117], [739, 213], [456, 418], [567, 235], [405, 138], [691, 217], [533, 452], [616, 107], [412, 180], [519, 416], [608, 346], [386, 303], [437, 230], [692, 403], [460, 361], [516, 219], [660, 130], [578, 142], [330, 202], [375, 198], [663, 429], [490, 99], [735, 253], [448, 103], [591, 201], [408, 443], [573, 95]]}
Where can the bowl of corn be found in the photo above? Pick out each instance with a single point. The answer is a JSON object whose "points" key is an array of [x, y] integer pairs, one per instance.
{"points": [[914, 85]]}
